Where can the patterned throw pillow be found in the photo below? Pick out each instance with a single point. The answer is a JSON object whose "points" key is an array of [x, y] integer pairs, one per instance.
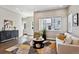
{"points": [[61, 36], [68, 40]]}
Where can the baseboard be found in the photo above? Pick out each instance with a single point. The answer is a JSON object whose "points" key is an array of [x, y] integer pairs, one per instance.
{"points": [[9, 39]]}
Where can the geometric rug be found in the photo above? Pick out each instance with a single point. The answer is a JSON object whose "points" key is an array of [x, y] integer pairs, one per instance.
{"points": [[48, 49]]}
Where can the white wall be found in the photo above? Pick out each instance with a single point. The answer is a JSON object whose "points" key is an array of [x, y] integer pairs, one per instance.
{"points": [[74, 9], [6, 14], [28, 22], [50, 13]]}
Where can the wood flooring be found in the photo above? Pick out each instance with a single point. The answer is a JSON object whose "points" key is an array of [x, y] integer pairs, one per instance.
{"points": [[51, 49]]}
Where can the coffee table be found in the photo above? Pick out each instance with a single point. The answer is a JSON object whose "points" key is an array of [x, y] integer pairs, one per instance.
{"points": [[38, 44]]}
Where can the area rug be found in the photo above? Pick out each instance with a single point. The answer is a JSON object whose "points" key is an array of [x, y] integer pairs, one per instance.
{"points": [[49, 48], [32, 51]]}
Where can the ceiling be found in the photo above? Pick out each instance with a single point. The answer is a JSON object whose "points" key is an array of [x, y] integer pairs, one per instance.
{"points": [[27, 10]]}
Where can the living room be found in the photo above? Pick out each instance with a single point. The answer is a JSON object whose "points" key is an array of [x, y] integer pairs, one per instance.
{"points": [[22, 28]]}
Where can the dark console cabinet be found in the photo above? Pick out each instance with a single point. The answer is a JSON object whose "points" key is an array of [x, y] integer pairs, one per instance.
{"points": [[6, 35]]}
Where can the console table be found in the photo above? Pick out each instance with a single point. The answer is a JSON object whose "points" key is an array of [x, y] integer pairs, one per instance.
{"points": [[7, 35]]}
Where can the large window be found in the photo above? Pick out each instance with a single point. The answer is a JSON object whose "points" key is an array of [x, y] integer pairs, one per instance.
{"points": [[47, 23], [50, 24]]}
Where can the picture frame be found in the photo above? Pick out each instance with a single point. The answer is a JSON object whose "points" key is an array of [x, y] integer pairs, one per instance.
{"points": [[75, 19]]}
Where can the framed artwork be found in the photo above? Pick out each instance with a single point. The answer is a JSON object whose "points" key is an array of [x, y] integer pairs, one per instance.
{"points": [[75, 19], [8, 24]]}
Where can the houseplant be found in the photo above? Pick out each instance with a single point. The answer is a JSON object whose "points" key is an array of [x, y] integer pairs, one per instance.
{"points": [[44, 34]]}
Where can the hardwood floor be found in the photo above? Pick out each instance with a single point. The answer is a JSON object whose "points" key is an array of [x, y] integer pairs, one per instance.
{"points": [[51, 49], [6, 45]]}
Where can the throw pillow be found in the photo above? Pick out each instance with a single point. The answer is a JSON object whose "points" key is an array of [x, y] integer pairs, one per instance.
{"points": [[68, 40], [61, 36]]}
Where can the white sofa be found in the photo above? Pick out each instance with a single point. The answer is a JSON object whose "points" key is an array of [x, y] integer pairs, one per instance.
{"points": [[64, 48]]}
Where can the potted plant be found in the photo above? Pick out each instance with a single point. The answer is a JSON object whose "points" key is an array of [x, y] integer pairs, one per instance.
{"points": [[44, 34]]}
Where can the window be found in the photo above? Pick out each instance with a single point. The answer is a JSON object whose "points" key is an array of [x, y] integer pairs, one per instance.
{"points": [[47, 23], [52, 23], [57, 23]]}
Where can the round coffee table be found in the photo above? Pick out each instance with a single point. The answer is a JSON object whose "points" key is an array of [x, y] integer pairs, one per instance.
{"points": [[38, 44]]}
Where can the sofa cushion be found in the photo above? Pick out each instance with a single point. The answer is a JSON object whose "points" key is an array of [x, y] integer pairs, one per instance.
{"points": [[75, 42]]}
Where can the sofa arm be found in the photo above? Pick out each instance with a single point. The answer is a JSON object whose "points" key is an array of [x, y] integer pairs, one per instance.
{"points": [[67, 49]]}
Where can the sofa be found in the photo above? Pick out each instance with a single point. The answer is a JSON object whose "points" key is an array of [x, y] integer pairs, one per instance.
{"points": [[68, 48]]}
